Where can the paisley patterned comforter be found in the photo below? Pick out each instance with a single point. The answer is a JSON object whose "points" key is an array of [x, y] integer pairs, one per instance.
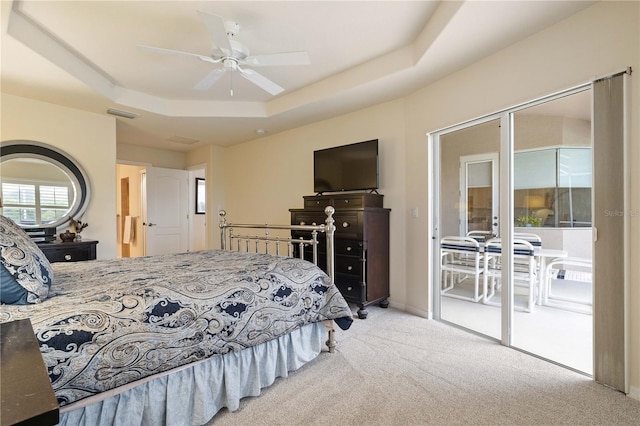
{"points": [[107, 323]]}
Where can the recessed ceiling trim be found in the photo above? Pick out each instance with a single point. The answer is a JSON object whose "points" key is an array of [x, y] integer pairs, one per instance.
{"points": [[78, 66], [28, 31]]}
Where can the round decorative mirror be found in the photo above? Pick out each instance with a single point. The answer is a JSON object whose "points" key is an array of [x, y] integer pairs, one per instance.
{"points": [[42, 186]]}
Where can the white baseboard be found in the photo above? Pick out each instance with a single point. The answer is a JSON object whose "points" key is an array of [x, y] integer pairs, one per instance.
{"points": [[634, 392], [398, 306], [419, 312], [411, 310]]}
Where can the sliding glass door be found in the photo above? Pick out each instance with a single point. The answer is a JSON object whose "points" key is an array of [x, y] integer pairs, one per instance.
{"points": [[514, 228], [552, 208], [468, 208]]}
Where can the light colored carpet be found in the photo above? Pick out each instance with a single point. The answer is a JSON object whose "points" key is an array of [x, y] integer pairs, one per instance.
{"points": [[398, 369]]}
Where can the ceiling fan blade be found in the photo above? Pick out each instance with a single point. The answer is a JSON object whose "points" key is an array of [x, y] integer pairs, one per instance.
{"points": [[177, 52], [209, 79], [217, 31], [260, 81], [278, 59]]}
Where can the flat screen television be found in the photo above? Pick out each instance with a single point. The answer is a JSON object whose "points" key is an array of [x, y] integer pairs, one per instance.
{"points": [[346, 168]]}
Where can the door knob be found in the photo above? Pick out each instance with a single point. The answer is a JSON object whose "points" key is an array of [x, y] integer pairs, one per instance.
{"points": [[151, 224]]}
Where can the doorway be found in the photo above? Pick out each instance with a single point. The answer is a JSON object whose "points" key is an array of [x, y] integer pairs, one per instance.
{"points": [[516, 189], [479, 194], [129, 210], [153, 210]]}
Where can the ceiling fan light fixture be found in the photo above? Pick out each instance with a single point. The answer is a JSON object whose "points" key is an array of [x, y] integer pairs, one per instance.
{"points": [[230, 63], [121, 113]]}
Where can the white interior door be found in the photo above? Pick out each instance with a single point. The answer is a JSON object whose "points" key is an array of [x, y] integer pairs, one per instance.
{"points": [[166, 216], [479, 193]]}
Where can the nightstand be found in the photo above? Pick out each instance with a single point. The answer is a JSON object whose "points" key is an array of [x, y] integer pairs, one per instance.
{"points": [[27, 395], [75, 251]]}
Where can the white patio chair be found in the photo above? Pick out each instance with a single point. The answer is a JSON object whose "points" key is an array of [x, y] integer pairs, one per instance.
{"points": [[524, 269], [480, 236], [533, 239], [460, 258], [577, 271]]}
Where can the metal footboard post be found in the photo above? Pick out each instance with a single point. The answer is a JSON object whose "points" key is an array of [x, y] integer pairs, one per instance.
{"points": [[223, 229], [330, 229], [314, 246]]}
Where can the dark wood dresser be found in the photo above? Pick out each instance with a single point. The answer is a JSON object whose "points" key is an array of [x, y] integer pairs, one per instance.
{"points": [[25, 389], [361, 244], [75, 251]]}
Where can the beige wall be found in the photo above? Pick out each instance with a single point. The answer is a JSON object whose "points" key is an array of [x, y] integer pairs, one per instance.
{"points": [[213, 158], [152, 156], [539, 131], [88, 138]]}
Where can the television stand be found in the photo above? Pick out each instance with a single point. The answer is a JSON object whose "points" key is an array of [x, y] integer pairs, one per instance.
{"points": [[361, 244]]}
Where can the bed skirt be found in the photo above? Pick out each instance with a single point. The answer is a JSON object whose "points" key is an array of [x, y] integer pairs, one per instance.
{"points": [[195, 393]]}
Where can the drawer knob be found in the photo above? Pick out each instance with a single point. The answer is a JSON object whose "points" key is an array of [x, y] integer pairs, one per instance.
{"points": [[345, 224], [67, 257], [303, 223], [349, 248], [349, 268], [349, 288], [346, 201]]}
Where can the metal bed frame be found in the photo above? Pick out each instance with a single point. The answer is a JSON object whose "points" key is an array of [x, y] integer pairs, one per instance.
{"points": [[253, 243]]}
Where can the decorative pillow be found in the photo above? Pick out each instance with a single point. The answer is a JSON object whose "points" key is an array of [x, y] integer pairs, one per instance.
{"points": [[26, 273]]}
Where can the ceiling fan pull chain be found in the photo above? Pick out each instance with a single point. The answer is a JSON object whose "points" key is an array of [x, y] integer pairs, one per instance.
{"points": [[231, 83]]}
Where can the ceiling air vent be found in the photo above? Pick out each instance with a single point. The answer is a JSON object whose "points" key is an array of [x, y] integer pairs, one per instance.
{"points": [[121, 113], [183, 140]]}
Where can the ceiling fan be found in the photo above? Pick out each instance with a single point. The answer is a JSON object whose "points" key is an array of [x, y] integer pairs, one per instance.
{"points": [[233, 56]]}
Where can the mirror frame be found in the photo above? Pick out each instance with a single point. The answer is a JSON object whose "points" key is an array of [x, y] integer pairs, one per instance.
{"points": [[30, 149]]}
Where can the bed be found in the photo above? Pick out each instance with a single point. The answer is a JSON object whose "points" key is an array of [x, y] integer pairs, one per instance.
{"points": [[172, 339]]}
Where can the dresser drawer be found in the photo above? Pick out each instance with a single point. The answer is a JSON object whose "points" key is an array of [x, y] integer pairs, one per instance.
{"points": [[350, 266], [308, 218], [348, 202], [342, 201], [317, 202], [348, 224], [349, 287], [348, 248]]}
